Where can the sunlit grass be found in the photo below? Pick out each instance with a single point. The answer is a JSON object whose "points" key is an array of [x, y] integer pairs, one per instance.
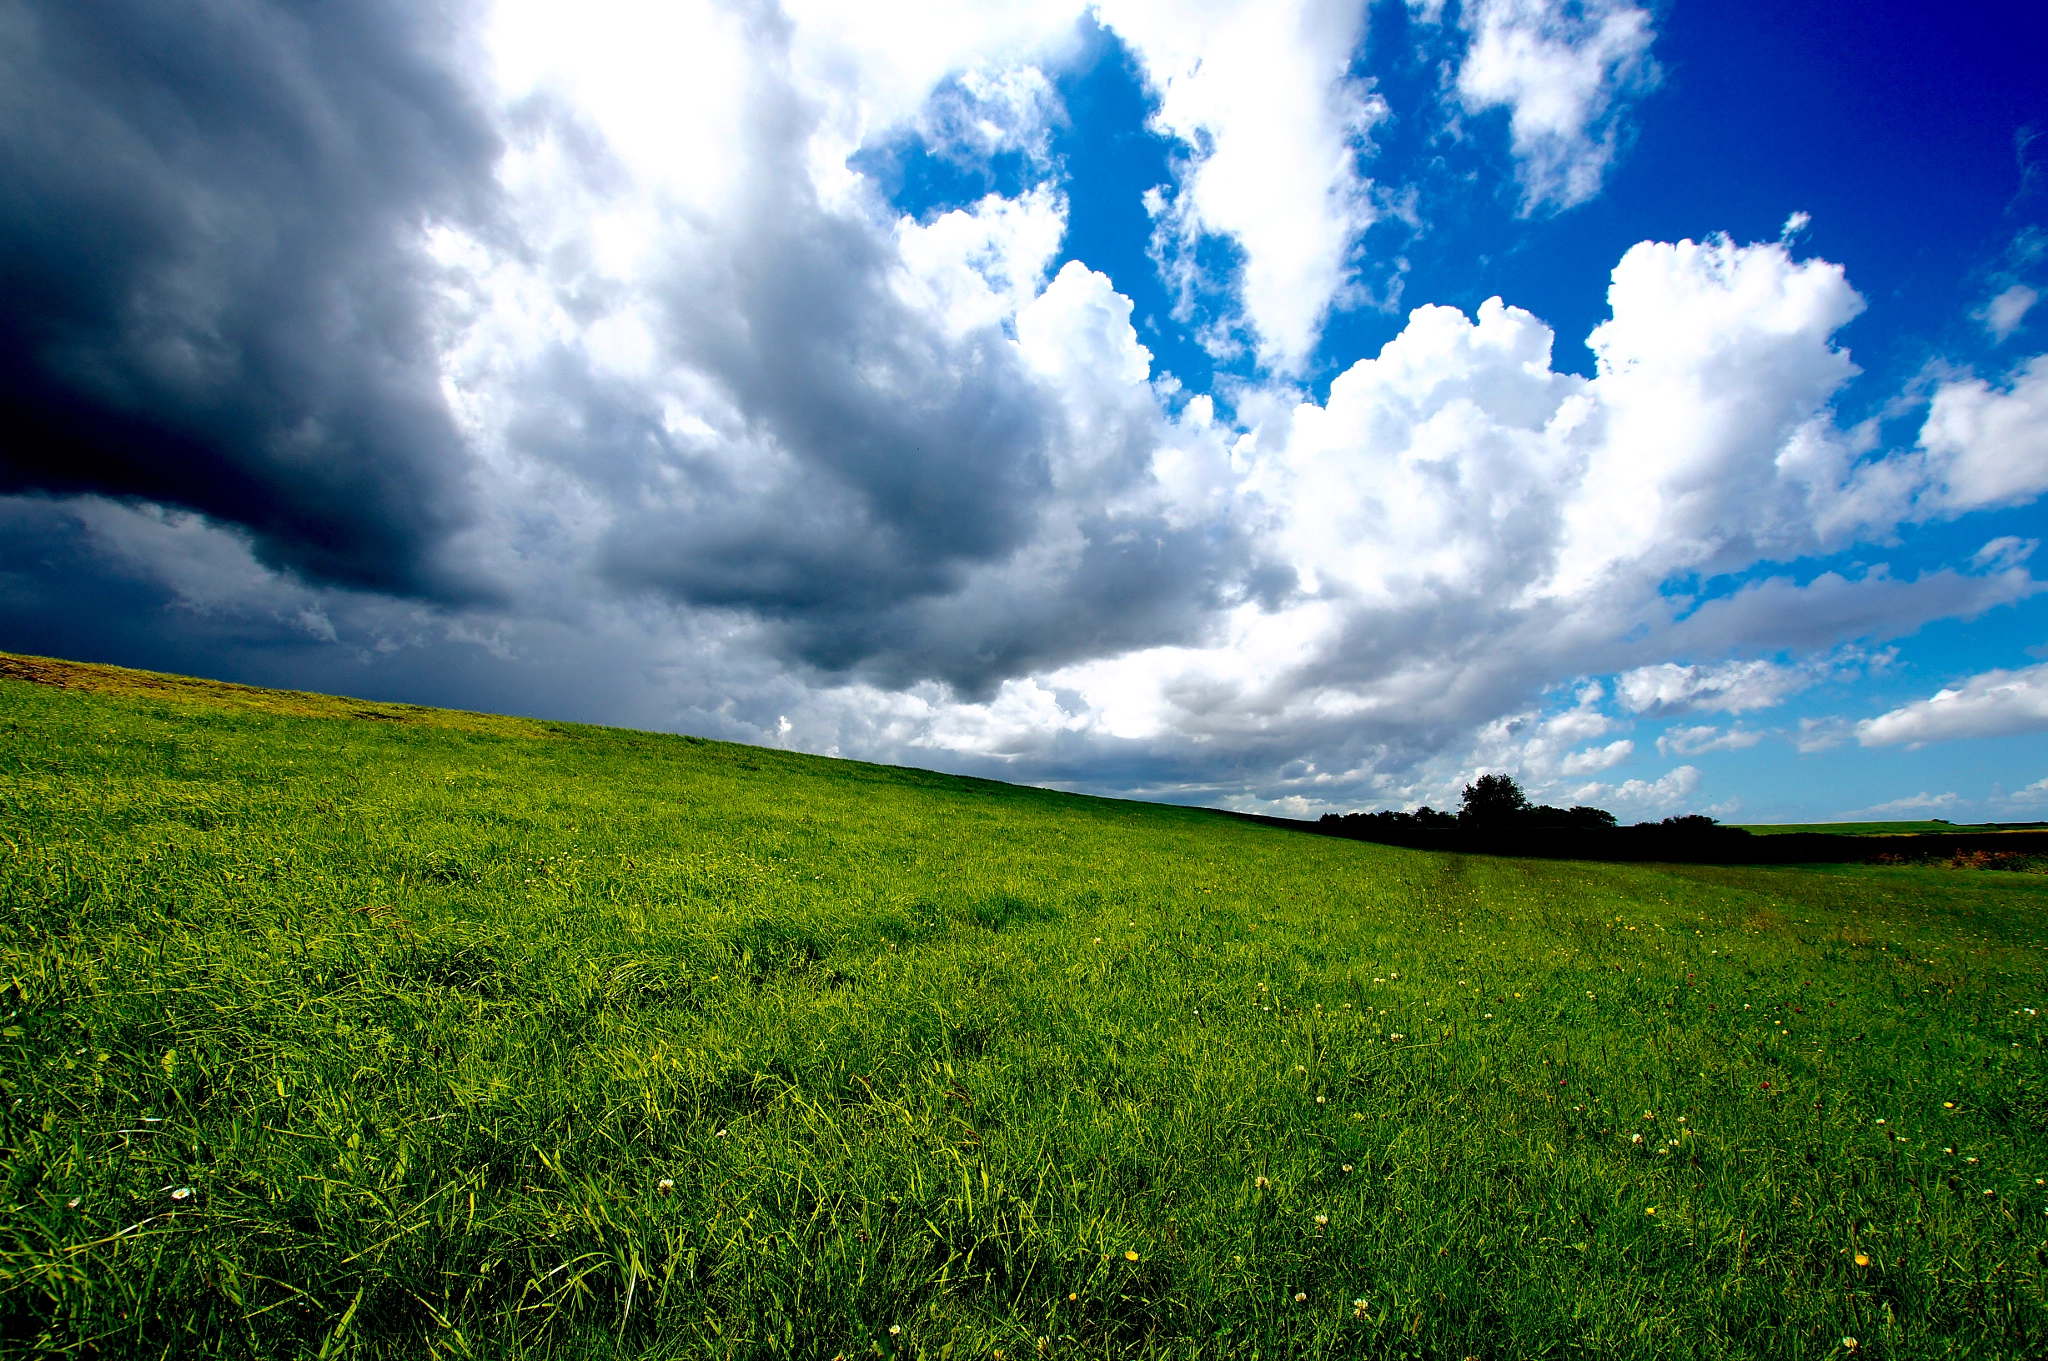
{"points": [[390, 1038]]}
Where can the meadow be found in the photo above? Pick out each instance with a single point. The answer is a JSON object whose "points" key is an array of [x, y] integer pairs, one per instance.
{"points": [[1889, 828], [339, 1029]]}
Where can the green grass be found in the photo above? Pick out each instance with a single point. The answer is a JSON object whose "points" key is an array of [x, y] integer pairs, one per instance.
{"points": [[475, 1038], [1887, 828]]}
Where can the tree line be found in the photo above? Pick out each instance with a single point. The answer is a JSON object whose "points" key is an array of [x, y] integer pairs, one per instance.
{"points": [[1496, 815]]}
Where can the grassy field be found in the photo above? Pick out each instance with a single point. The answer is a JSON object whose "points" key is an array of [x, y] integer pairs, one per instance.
{"points": [[1853, 828], [1889, 828], [330, 1032]]}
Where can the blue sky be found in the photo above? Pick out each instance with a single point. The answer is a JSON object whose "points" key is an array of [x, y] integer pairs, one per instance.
{"points": [[1103, 396]]}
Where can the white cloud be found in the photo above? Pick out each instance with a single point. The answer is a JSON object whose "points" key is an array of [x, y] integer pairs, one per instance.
{"points": [[1542, 748], [1260, 98], [1640, 798], [1595, 759], [1431, 467], [1730, 687], [2028, 796], [1922, 803], [982, 112], [1696, 740], [1986, 446], [2007, 550], [869, 67], [1377, 579], [1272, 126], [979, 268], [1715, 374], [1560, 70], [1457, 510], [1081, 327], [2003, 314], [1820, 734], [1993, 704], [1981, 446]]}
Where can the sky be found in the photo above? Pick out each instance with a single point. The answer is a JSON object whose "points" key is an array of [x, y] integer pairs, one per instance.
{"points": [[1289, 407]]}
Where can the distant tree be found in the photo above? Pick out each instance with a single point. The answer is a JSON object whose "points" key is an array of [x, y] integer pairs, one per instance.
{"points": [[1578, 818], [1692, 824], [1493, 800]]}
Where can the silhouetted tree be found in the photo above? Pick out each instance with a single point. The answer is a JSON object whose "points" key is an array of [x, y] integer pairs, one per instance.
{"points": [[1497, 817], [1493, 800]]}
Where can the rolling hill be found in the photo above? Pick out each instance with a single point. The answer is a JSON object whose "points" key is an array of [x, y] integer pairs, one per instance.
{"points": [[338, 1028]]}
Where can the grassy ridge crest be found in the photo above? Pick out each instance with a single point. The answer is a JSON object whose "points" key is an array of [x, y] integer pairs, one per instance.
{"points": [[216, 696]]}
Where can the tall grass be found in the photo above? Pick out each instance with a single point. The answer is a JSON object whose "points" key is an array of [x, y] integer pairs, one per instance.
{"points": [[404, 1037]]}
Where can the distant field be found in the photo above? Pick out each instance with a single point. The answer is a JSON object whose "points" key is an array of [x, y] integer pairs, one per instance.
{"points": [[1888, 828], [424, 1034]]}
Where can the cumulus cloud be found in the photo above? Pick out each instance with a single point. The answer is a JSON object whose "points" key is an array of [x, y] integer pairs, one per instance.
{"points": [[1543, 747], [2004, 313], [1922, 803], [1272, 126], [1730, 687], [1564, 72], [2028, 796], [894, 442], [1993, 704], [1984, 445], [1594, 759], [1644, 797], [1735, 687], [1715, 374], [1979, 448], [571, 362], [1694, 741]]}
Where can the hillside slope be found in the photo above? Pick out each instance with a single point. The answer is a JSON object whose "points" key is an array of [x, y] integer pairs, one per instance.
{"points": [[422, 1033]]}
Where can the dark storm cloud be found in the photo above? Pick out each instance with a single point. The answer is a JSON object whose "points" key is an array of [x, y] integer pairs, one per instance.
{"points": [[211, 294], [898, 536], [81, 578], [1124, 586], [911, 452], [878, 483]]}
